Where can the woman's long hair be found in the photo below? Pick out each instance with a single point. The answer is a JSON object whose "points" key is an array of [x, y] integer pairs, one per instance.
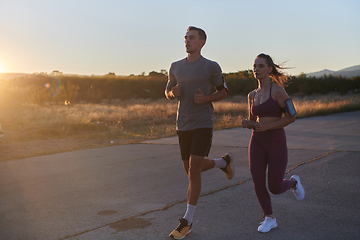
{"points": [[276, 74]]}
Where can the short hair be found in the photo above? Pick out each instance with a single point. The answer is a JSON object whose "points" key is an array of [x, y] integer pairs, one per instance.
{"points": [[202, 34]]}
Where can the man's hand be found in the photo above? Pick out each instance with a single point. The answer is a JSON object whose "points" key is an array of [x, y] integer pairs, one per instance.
{"points": [[176, 92], [200, 98]]}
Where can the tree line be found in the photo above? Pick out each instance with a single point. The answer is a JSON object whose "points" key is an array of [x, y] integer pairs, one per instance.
{"points": [[41, 88]]}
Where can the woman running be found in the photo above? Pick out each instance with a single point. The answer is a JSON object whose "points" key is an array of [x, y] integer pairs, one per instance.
{"points": [[269, 114]]}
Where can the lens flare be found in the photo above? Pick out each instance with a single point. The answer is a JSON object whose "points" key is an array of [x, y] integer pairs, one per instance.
{"points": [[54, 87]]}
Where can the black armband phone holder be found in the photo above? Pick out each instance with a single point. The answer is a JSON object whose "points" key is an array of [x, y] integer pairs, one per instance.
{"points": [[289, 107], [222, 86]]}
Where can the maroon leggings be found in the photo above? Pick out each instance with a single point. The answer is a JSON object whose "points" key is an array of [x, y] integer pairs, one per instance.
{"points": [[268, 149]]}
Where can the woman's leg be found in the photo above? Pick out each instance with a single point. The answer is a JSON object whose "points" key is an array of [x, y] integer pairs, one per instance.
{"points": [[258, 163], [277, 162]]}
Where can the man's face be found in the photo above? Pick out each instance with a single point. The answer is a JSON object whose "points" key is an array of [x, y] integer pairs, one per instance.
{"points": [[193, 42]]}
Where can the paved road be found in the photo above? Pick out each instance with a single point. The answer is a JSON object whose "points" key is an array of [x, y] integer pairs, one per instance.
{"points": [[138, 191]]}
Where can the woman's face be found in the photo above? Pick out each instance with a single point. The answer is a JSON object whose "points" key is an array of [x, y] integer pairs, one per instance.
{"points": [[261, 69]]}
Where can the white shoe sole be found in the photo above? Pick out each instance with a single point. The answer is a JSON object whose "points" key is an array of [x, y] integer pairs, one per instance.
{"points": [[273, 226], [299, 186]]}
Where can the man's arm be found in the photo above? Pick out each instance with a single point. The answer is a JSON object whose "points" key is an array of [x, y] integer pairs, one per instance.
{"points": [[173, 93], [200, 98]]}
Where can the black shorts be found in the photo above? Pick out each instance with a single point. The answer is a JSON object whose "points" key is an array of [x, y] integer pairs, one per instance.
{"points": [[195, 142]]}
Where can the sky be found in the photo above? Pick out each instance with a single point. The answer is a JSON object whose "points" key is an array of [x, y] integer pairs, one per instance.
{"points": [[88, 37]]}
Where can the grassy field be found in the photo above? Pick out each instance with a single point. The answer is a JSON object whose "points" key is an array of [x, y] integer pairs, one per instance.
{"points": [[31, 128]]}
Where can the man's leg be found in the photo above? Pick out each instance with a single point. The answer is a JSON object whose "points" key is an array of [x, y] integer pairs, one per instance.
{"points": [[194, 175], [200, 139], [194, 145], [225, 163], [184, 228], [193, 167], [208, 164]]}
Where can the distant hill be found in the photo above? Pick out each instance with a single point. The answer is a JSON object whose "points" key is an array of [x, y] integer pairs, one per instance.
{"points": [[9, 76], [346, 72]]}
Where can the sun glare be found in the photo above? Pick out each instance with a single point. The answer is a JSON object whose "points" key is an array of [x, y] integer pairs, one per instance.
{"points": [[2, 68]]}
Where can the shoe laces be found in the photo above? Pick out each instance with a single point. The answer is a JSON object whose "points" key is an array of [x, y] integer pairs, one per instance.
{"points": [[269, 220], [226, 157], [183, 223]]}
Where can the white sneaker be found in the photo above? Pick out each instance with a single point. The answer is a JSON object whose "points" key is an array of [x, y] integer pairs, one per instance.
{"points": [[299, 190], [267, 225]]}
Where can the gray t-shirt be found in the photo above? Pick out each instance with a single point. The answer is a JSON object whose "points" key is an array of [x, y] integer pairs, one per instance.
{"points": [[203, 74]]}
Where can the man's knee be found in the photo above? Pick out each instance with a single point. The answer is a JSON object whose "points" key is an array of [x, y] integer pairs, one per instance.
{"points": [[186, 166], [195, 166]]}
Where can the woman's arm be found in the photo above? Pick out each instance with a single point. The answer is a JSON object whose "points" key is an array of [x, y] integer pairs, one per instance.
{"points": [[249, 122]]}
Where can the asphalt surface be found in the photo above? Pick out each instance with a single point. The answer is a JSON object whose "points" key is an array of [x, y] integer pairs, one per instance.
{"points": [[138, 191]]}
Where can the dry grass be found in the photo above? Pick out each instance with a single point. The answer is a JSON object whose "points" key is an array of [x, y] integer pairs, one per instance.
{"points": [[82, 126], [35, 122], [228, 114], [326, 104]]}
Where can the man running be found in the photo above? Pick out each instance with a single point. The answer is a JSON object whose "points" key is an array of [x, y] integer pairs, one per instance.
{"points": [[192, 81]]}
